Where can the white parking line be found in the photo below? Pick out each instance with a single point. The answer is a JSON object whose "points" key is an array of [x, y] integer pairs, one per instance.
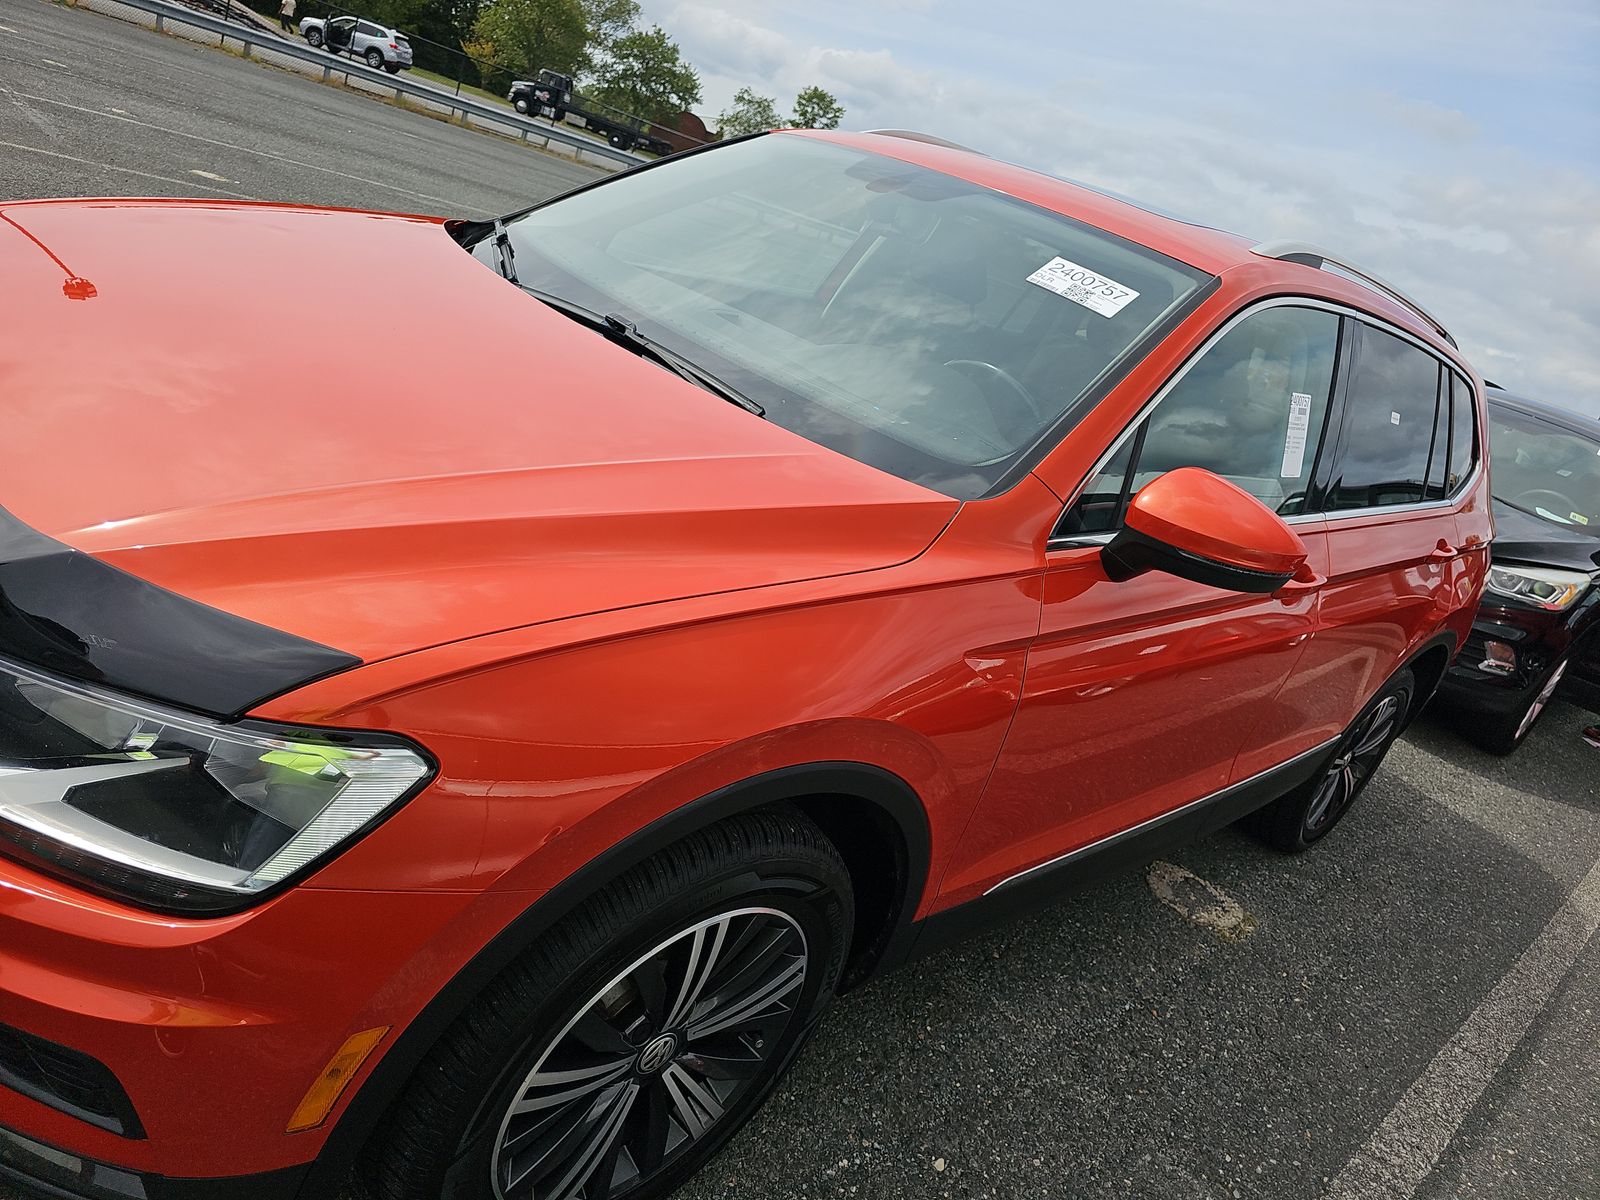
{"points": [[89, 162], [449, 205], [1404, 1149]]}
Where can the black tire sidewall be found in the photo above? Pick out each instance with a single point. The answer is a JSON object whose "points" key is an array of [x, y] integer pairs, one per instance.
{"points": [[788, 885], [1287, 828]]}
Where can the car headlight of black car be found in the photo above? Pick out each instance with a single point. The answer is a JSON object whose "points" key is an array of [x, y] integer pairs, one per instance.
{"points": [[1541, 587], [176, 811]]}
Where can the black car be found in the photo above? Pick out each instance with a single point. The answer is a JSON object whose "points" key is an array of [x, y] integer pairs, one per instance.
{"points": [[1538, 627]]}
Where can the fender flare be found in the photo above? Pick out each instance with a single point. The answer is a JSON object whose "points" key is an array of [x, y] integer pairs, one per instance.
{"points": [[892, 799], [1444, 640]]}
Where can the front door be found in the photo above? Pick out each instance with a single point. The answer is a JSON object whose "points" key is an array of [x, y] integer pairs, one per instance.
{"points": [[338, 32], [1140, 695]]}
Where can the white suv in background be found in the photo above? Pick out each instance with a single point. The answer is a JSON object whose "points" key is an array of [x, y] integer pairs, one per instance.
{"points": [[381, 47]]}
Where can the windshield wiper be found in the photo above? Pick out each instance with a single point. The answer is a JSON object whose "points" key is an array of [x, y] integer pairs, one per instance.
{"points": [[508, 256], [626, 334]]}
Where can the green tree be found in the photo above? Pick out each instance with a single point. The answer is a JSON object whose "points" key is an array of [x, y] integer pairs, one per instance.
{"points": [[643, 73], [815, 108], [525, 35], [751, 113], [609, 20]]}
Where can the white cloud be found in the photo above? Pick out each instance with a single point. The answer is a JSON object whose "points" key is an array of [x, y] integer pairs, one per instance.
{"points": [[1501, 242]]}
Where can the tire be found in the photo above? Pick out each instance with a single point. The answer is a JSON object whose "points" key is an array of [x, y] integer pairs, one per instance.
{"points": [[314, 38], [374, 58], [649, 1086], [1296, 822], [520, 105], [1503, 733]]}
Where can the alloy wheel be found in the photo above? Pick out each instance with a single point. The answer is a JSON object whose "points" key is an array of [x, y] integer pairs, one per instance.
{"points": [[1357, 757], [654, 1061], [1540, 701]]}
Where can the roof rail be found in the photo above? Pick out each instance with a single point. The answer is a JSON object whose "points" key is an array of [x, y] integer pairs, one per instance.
{"points": [[911, 135], [1314, 256]]}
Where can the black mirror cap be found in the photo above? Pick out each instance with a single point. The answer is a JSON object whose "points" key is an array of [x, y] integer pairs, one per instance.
{"points": [[1132, 553]]}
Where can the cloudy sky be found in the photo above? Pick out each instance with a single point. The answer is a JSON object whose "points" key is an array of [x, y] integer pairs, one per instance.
{"points": [[1452, 146]]}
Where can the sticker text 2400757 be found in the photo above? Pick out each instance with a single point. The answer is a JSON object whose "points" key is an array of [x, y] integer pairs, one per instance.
{"points": [[1083, 286]]}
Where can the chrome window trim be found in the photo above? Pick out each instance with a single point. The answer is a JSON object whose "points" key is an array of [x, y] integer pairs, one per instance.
{"points": [[1338, 309], [1170, 814], [1347, 514]]}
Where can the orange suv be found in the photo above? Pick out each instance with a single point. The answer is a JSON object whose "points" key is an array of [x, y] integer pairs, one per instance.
{"points": [[474, 748]]}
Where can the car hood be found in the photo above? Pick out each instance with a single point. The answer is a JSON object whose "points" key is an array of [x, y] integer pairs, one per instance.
{"points": [[341, 426], [1524, 538]]}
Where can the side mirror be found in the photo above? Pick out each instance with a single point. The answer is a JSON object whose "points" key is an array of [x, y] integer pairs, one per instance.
{"points": [[1198, 526]]}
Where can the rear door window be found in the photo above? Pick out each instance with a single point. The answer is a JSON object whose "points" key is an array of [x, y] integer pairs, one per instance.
{"points": [[1439, 451], [1390, 418], [370, 30], [1463, 433]]}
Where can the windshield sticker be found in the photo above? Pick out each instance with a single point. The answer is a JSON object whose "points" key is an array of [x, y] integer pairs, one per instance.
{"points": [[1083, 286], [1580, 518], [1294, 442], [1394, 418]]}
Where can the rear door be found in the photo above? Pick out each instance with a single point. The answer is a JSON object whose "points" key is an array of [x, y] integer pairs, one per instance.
{"points": [[1393, 544], [369, 35]]}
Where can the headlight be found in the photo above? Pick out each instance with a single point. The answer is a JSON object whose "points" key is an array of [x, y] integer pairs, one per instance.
{"points": [[1542, 587], [175, 811]]}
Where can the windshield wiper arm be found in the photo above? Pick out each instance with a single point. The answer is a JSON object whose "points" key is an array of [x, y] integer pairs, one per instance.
{"points": [[627, 334], [508, 256], [624, 333]]}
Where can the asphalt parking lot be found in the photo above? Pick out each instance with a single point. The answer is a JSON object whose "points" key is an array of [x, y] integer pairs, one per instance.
{"points": [[1411, 1010], [90, 105], [1344, 1033]]}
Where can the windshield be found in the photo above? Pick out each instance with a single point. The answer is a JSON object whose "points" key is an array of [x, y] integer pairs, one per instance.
{"points": [[909, 319], [1544, 469]]}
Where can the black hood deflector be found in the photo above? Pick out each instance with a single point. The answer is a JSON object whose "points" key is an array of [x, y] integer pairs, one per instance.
{"points": [[68, 613]]}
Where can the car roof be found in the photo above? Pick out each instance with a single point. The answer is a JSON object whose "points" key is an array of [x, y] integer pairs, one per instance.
{"points": [[1210, 249], [1577, 422]]}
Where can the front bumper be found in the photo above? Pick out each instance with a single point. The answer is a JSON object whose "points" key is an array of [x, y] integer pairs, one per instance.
{"points": [[214, 1029], [49, 1173], [1536, 639]]}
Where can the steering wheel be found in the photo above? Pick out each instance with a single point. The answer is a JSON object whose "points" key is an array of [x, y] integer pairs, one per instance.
{"points": [[1529, 499], [984, 374]]}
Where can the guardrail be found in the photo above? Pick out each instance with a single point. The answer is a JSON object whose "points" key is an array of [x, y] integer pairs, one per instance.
{"points": [[251, 38]]}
